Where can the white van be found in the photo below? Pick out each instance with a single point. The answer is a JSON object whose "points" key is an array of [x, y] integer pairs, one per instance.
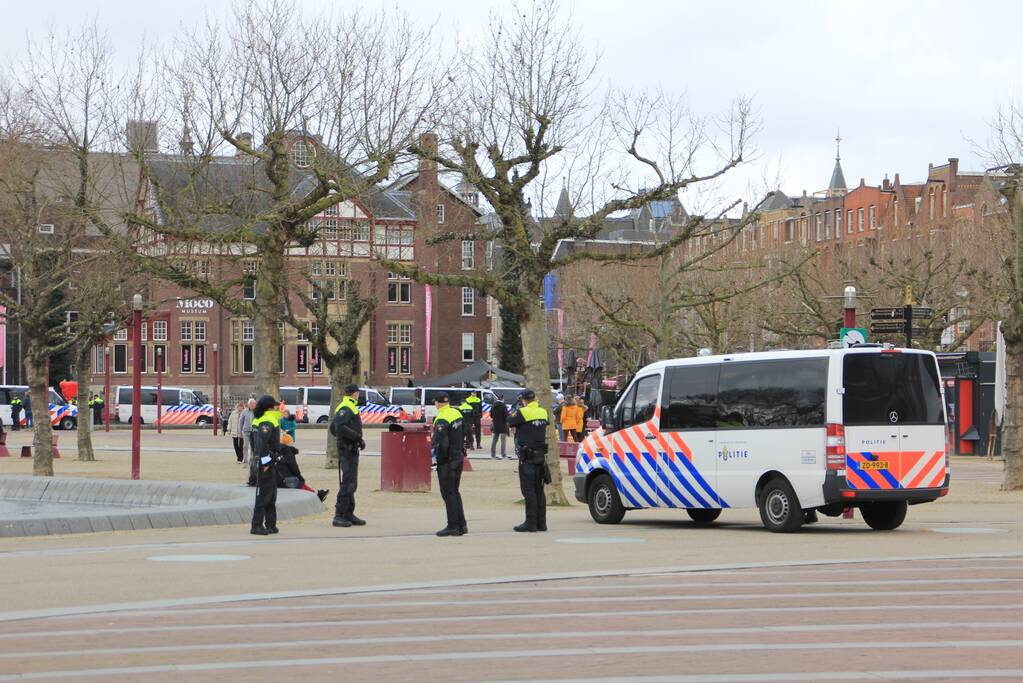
{"points": [[63, 415], [179, 406], [312, 405], [788, 432], [417, 402]]}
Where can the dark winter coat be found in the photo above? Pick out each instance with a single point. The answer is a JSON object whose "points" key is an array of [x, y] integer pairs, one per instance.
{"points": [[499, 415]]}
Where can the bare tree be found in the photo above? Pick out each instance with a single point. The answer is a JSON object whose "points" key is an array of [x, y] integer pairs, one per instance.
{"points": [[524, 111]]}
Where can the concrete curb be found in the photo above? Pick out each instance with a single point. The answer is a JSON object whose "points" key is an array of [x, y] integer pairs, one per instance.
{"points": [[153, 504]]}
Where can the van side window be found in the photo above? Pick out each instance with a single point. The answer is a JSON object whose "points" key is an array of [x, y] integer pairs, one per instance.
{"points": [[782, 393], [124, 396], [405, 397], [690, 397], [640, 404]]}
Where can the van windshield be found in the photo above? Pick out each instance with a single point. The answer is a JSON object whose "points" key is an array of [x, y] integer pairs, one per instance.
{"points": [[891, 388]]}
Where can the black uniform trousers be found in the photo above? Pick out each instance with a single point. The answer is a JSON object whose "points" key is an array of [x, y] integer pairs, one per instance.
{"points": [[253, 460], [477, 428], [264, 514], [449, 477], [531, 484], [16, 419], [348, 477], [97, 415]]}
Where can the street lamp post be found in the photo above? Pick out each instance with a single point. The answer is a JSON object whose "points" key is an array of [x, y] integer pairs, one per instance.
{"points": [[159, 390], [216, 388], [850, 307], [106, 389], [136, 388]]}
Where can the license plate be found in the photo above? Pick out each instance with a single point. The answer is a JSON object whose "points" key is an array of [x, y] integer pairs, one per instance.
{"points": [[874, 465]]}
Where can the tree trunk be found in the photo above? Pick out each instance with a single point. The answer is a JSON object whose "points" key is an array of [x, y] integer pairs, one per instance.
{"points": [[269, 305], [538, 378], [85, 452], [42, 432], [1012, 423], [340, 375]]}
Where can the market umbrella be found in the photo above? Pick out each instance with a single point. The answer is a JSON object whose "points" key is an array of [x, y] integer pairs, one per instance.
{"points": [[595, 371], [570, 367]]}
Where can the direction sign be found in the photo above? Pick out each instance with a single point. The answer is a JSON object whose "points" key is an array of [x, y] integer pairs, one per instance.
{"points": [[852, 335], [895, 327], [887, 313], [926, 313]]}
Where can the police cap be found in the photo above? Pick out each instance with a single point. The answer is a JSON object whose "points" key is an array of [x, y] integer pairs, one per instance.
{"points": [[440, 397], [528, 394], [351, 389]]}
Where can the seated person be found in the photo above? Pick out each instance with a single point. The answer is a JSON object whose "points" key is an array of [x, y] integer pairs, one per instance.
{"points": [[288, 473]]}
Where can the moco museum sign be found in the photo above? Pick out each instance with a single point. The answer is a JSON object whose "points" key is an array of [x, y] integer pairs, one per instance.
{"points": [[195, 306]]}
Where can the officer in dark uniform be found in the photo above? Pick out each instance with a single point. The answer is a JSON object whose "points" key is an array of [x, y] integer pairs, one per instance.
{"points": [[530, 422], [97, 403], [448, 450], [16, 413], [266, 427], [477, 419], [347, 429], [466, 409]]}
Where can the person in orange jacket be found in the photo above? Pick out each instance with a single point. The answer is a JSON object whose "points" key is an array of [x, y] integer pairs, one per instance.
{"points": [[572, 418]]}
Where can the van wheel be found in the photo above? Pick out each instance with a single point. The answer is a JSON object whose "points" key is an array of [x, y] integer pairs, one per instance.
{"points": [[321, 420], [389, 420], [703, 515], [67, 423], [203, 421], [884, 516], [605, 503], [779, 507]]}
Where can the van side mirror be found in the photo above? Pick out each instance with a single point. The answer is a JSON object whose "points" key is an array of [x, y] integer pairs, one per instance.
{"points": [[607, 418]]}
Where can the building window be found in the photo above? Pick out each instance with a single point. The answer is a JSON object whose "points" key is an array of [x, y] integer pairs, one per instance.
{"points": [[328, 228], [859, 219], [873, 217], [789, 230], [121, 335], [399, 348], [200, 330], [249, 280], [468, 301], [827, 225], [944, 203], [186, 330], [490, 347], [120, 359], [145, 331], [468, 255], [159, 330], [819, 226], [488, 255], [930, 209], [468, 347], [399, 289], [98, 360], [895, 213], [440, 214], [301, 153], [396, 242], [849, 222], [490, 307]]}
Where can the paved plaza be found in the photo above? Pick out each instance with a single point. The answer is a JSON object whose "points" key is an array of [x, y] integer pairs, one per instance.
{"points": [[654, 598]]}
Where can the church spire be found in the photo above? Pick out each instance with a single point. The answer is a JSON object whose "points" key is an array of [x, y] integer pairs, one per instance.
{"points": [[837, 186]]}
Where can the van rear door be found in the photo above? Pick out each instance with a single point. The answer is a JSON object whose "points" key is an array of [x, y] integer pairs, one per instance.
{"points": [[894, 421]]}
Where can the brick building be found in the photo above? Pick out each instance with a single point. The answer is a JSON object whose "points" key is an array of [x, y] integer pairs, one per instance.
{"points": [[416, 331]]}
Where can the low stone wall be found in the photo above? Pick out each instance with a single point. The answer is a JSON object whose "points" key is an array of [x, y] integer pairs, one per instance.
{"points": [[154, 504]]}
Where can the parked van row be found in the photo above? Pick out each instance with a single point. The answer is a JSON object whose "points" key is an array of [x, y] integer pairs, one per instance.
{"points": [[63, 415], [791, 433], [178, 406]]}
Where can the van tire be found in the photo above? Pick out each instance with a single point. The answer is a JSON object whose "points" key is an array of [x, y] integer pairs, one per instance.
{"points": [[389, 420], [703, 515], [604, 502], [779, 507], [203, 421], [884, 516], [68, 423], [321, 420]]}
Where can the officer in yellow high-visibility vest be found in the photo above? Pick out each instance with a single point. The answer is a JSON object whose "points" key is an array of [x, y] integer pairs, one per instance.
{"points": [[477, 419], [448, 442], [347, 429], [16, 413], [530, 423], [266, 427]]}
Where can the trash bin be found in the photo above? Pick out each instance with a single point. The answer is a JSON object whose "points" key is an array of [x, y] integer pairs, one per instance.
{"points": [[405, 457]]}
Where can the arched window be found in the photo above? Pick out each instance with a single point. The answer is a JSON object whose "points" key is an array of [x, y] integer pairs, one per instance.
{"points": [[301, 153], [930, 208]]}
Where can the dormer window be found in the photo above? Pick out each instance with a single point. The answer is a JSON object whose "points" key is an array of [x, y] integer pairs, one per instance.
{"points": [[301, 154]]}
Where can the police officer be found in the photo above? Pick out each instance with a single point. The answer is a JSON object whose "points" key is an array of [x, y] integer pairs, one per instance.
{"points": [[531, 423], [97, 403], [347, 429], [16, 413], [448, 450], [477, 419], [466, 409], [266, 427]]}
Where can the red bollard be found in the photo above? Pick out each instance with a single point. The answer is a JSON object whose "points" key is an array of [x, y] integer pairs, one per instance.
{"points": [[847, 513], [53, 443], [4, 453]]}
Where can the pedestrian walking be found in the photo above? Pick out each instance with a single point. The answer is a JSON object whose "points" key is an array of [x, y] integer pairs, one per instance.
{"points": [[559, 403], [16, 407], [499, 426], [448, 441], [234, 430], [266, 428], [245, 423], [288, 423], [347, 429], [530, 423]]}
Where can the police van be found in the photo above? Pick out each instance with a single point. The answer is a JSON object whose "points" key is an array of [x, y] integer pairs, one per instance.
{"points": [[312, 405], [418, 402], [788, 432], [178, 406], [63, 415]]}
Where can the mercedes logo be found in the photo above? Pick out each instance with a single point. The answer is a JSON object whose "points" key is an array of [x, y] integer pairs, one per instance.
{"points": [[893, 417]]}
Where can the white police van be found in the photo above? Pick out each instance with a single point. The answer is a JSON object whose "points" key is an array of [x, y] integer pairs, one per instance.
{"points": [[312, 405], [418, 402], [63, 415], [178, 406], [788, 432]]}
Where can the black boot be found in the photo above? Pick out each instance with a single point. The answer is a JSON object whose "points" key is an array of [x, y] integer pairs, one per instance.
{"points": [[356, 521], [259, 531], [448, 531], [525, 527], [341, 521]]}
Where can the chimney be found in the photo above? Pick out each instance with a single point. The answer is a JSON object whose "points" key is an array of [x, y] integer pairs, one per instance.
{"points": [[862, 182], [428, 167], [142, 137], [886, 184], [953, 172], [897, 182], [245, 139]]}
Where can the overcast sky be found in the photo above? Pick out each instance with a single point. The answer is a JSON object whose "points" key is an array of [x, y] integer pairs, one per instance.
{"points": [[906, 82]]}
